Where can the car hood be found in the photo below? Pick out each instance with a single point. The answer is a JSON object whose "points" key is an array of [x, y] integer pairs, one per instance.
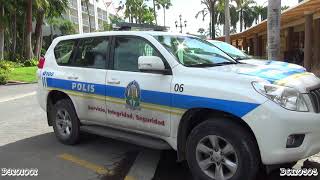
{"points": [[271, 63], [275, 72]]}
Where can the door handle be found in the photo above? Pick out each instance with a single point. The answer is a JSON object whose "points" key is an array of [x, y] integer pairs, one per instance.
{"points": [[73, 78], [113, 81]]}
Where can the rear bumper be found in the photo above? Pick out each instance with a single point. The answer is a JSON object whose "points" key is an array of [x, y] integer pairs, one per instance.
{"points": [[273, 124]]}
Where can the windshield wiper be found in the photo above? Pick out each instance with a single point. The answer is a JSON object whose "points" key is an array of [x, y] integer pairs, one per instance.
{"points": [[211, 64], [241, 58]]}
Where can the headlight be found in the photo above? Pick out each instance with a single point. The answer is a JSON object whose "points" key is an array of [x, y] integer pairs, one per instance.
{"points": [[286, 97]]}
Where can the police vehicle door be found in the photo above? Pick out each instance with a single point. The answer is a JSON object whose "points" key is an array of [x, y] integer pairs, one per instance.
{"points": [[137, 100], [85, 76]]}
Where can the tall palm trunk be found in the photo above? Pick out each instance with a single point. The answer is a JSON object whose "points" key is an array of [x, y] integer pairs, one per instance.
{"points": [[154, 11], [23, 30], [241, 19], [213, 20], [38, 31], [29, 30], [164, 16], [227, 21], [51, 32], [274, 10], [1, 33], [14, 37]]}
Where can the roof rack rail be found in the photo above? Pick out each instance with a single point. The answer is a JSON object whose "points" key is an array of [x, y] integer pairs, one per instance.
{"points": [[124, 26]]}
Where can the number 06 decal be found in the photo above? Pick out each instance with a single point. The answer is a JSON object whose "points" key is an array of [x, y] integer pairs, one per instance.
{"points": [[178, 87]]}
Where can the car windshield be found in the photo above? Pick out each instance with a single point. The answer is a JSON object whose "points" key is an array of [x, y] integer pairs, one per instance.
{"points": [[194, 52], [230, 50]]}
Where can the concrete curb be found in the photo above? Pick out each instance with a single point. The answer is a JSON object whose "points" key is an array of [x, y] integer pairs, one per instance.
{"points": [[13, 83], [144, 166]]}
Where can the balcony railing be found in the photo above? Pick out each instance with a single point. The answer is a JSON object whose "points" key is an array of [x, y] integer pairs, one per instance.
{"points": [[91, 10], [73, 4], [102, 14]]}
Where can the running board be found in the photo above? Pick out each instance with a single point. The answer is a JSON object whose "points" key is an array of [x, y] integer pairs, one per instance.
{"points": [[133, 138]]}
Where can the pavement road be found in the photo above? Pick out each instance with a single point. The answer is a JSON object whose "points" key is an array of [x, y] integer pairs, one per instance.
{"points": [[26, 141]]}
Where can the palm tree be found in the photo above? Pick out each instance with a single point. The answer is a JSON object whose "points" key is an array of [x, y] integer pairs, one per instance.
{"points": [[165, 4], [147, 15], [15, 11], [248, 16], [220, 14], [283, 8], [227, 21], [131, 11], [234, 17], [274, 11], [258, 12], [244, 5], [2, 27], [28, 47], [41, 7], [46, 9], [8, 13], [209, 9]]}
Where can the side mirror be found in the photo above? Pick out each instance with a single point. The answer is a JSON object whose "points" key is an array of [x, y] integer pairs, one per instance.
{"points": [[151, 64]]}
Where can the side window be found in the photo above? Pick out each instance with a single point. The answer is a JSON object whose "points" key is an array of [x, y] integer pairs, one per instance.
{"points": [[92, 53], [63, 51], [127, 52]]}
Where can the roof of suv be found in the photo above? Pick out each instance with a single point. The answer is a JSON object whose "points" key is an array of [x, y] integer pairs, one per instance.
{"points": [[110, 33]]}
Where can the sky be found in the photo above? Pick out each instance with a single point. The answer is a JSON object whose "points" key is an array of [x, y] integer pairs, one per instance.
{"points": [[188, 10]]}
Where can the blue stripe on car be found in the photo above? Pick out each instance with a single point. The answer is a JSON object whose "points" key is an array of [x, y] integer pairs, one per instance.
{"points": [[180, 101]]}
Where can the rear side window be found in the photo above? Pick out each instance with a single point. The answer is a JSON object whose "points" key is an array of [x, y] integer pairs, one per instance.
{"points": [[92, 53], [63, 51], [87, 52]]}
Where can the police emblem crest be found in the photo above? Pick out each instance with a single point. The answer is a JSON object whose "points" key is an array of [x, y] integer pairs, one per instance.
{"points": [[133, 95]]}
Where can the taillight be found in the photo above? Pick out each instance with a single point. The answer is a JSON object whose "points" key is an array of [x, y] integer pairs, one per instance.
{"points": [[41, 62]]}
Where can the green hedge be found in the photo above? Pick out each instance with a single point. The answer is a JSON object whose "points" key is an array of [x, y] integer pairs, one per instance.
{"points": [[5, 68]]}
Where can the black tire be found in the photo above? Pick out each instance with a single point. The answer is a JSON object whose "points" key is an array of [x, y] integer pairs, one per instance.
{"points": [[74, 136], [244, 146]]}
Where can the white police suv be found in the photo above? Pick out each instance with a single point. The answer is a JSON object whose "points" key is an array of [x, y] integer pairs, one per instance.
{"points": [[160, 90]]}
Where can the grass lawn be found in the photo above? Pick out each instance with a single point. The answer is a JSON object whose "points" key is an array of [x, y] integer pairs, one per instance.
{"points": [[23, 74]]}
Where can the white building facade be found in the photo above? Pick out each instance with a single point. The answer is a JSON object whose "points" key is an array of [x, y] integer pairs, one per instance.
{"points": [[78, 14]]}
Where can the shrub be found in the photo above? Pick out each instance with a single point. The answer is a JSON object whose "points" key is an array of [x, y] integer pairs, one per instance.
{"points": [[43, 52], [5, 68], [10, 64], [30, 62]]}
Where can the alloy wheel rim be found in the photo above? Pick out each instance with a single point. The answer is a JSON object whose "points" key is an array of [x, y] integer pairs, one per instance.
{"points": [[216, 157], [63, 122]]}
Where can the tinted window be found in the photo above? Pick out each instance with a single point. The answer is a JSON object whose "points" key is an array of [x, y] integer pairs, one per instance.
{"points": [[128, 50], [63, 51], [92, 53]]}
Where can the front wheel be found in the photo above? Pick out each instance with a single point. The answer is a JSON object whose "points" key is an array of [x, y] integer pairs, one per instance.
{"points": [[66, 124], [218, 149]]}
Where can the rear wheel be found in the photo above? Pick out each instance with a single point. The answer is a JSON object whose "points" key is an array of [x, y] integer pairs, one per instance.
{"points": [[219, 149], [66, 124]]}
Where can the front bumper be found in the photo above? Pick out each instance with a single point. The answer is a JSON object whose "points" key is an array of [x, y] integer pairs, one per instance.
{"points": [[272, 125]]}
